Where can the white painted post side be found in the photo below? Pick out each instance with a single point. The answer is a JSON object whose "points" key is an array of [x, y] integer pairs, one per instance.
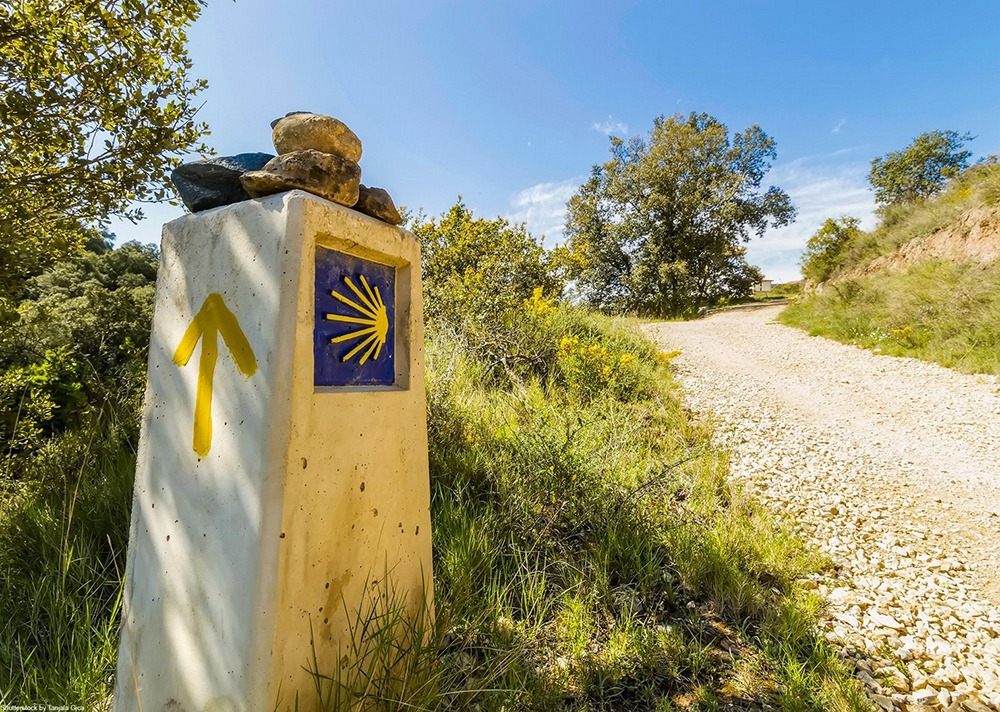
{"points": [[312, 479]]}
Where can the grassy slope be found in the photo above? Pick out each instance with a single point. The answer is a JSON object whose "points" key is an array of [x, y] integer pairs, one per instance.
{"points": [[937, 311], [589, 551]]}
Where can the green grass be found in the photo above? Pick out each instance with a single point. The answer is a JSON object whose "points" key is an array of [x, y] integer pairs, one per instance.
{"points": [[63, 533], [589, 551], [936, 311]]}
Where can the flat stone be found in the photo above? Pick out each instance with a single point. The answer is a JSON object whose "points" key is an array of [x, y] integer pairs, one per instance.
{"points": [[925, 695], [215, 182], [887, 621], [974, 705], [301, 131], [884, 702], [377, 203], [324, 174]]}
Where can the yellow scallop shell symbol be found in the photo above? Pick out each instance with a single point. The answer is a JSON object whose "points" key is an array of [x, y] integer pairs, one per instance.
{"points": [[374, 321]]}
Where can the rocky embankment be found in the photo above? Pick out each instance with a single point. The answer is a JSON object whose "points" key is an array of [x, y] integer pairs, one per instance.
{"points": [[889, 466], [974, 237]]}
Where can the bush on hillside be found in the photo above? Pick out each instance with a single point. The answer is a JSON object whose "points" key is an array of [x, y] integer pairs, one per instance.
{"points": [[920, 170], [824, 252], [975, 188]]}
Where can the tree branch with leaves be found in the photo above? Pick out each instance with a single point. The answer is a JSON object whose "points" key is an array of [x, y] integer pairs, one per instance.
{"points": [[96, 107]]}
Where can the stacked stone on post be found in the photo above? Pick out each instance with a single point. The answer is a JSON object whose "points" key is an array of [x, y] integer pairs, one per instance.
{"points": [[214, 182], [318, 154], [324, 174]]}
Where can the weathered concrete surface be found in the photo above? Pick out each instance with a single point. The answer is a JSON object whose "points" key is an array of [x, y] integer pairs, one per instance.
{"points": [[305, 495]]}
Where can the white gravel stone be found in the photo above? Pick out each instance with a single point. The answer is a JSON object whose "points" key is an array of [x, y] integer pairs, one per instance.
{"points": [[888, 466]]}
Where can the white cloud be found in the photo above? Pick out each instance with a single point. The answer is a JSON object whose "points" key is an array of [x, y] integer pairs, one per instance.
{"points": [[610, 127], [818, 192], [543, 208], [840, 124]]}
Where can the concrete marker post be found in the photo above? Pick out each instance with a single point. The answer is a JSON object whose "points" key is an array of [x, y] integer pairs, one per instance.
{"points": [[283, 458]]}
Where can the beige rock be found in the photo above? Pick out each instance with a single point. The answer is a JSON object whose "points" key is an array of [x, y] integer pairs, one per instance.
{"points": [[324, 174], [883, 702], [377, 203], [301, 131], [900, 683], [887, 621], [941, 681], [924, 695], [974, 705]]}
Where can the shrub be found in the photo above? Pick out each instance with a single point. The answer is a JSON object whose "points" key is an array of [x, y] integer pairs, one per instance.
{"points": [[824, 252], [79, 337], [476, 270]]}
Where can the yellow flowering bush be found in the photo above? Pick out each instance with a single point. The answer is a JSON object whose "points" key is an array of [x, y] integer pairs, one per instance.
{"points": [[591, 367], [476, 271], [538, 305], [665, 357], [909, 337]]}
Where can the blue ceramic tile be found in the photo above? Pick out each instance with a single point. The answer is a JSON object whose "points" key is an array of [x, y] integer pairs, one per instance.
{"points": [[354, 334]]}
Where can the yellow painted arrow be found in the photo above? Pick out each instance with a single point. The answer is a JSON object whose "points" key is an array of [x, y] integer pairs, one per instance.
{"points": [[212, 319]]}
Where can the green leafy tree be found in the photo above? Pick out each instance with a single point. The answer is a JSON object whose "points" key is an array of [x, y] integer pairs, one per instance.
{"points": [[823, 253], [80, 342], [661, 227], [476, 270], [96, 105], [921, 169]]}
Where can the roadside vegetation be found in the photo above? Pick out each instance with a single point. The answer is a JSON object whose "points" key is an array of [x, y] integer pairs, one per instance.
{"points": [[72, 372], [937, 311], [589, 550], [943, 311]]}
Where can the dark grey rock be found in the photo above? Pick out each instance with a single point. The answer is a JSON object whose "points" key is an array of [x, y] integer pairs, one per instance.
{"points": [[323, 174], [377, 203], [214, 182]]}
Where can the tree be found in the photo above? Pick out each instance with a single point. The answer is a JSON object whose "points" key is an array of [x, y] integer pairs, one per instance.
{"points": [[477, 270], [824, 250], [80, 344], [921, 169], [96, 107], [661, 227]]}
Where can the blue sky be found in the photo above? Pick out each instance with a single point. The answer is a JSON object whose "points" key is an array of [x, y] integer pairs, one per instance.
{"points": [[510, 103]]}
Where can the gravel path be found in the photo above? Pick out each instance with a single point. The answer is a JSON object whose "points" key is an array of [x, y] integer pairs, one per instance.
{"points": [[890, 467]]}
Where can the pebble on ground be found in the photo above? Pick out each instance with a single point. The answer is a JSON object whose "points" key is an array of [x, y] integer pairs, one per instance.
{"points": [[887, 465]]}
